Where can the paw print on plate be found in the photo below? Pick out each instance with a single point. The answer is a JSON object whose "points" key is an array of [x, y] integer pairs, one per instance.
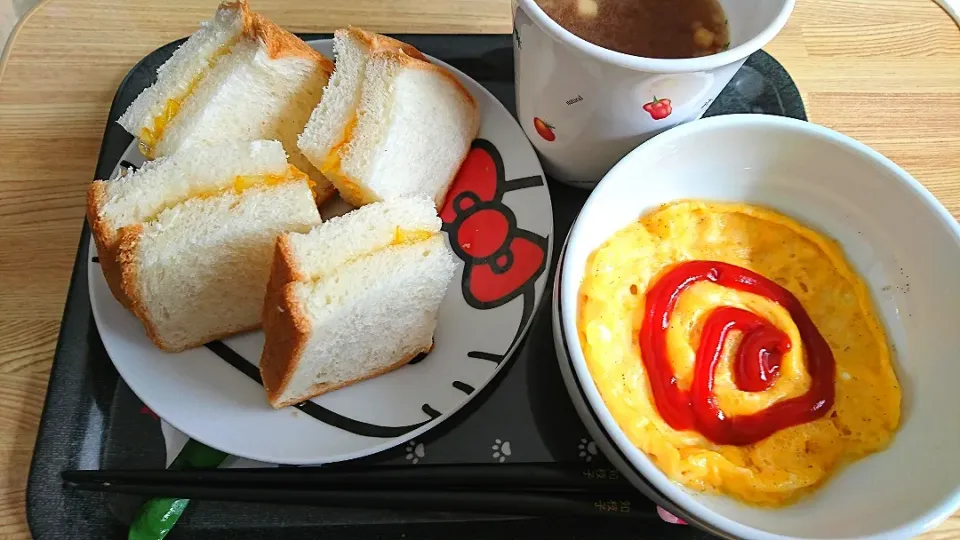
{"points": [[501, 450], [588, 449], [415, 452]]}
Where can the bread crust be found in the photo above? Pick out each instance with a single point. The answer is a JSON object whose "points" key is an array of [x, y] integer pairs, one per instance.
{"points": [[128, 264], [283, 270], [378, 42], [243, 9], [128, 243], [286, 329], [280, 43], [104, 238]]}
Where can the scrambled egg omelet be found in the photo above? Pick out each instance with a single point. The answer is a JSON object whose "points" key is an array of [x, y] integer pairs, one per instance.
{"points": [[793, 461]]}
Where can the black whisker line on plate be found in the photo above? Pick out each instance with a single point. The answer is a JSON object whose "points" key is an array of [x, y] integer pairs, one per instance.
{"points": [[430, 411], [480, 355], [463, 387], [529, 302], [522, 183], [356, 426], [310, 408], [233, 358]]}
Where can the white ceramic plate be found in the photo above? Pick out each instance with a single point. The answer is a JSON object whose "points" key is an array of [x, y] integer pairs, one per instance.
{"points": [[504, 224], [900, 239]]}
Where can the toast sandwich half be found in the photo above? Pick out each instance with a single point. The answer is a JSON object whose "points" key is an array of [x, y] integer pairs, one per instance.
{"points": [[238, 77], [186, 241], [390, 123], [352, 299]]}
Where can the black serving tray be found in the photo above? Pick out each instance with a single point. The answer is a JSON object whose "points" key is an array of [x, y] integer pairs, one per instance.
{"points": [[92, 420]]}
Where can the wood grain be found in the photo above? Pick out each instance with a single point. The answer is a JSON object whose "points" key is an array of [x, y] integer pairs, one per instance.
{"points": [[884, 71]]}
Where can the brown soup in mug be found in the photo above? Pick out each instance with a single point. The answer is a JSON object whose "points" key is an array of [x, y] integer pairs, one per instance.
{"points": [[648, 28]]}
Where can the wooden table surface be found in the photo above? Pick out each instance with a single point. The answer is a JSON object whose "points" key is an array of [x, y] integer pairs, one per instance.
{"points": [[884, 71]]}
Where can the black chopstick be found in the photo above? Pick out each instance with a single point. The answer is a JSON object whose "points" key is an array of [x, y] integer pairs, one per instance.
{"points": [[506, 489], [498, 477], [476, 502]]}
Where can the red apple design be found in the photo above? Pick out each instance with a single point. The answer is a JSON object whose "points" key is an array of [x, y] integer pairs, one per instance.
{"points": [[658, 108], [544, 129]]}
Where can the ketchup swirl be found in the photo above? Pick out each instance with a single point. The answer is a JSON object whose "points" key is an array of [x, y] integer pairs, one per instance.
{"points": [[756, 365]]}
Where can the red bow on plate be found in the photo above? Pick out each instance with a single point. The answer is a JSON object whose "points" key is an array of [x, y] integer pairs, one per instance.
{"points": [[502, 261]]}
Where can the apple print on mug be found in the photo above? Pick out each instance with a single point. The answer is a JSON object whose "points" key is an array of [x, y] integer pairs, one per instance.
{"points": [[659, 108], [583, 107], [544, 129]]}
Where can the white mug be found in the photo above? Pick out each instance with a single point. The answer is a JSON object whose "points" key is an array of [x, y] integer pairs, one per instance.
{"points": [[584, 107]]}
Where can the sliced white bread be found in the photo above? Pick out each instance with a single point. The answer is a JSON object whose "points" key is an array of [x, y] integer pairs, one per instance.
{"points": [[331, 122], [178, 75], [199, 271], [354, 298], [415, 123], [136, 197], [260, 83], [186, 242], [310, 256]]}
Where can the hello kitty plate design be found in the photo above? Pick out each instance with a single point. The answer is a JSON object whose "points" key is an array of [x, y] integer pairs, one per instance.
{"points": [[499, 222]]}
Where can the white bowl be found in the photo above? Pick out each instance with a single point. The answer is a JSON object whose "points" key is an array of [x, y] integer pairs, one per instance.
{"points": [[901, 240]]}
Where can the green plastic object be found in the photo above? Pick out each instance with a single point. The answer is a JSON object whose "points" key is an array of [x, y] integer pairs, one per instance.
{"points": [[157, 516]]}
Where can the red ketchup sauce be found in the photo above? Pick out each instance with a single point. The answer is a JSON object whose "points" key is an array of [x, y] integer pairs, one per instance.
{"points": [[756, 365]]}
